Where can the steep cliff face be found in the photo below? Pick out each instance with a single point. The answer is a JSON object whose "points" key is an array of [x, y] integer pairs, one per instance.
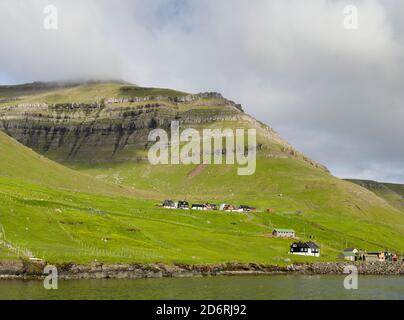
{"points": [[94, 123]]}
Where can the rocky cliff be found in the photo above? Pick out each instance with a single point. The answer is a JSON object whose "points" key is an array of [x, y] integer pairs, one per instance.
{"points": [[115, 128]]}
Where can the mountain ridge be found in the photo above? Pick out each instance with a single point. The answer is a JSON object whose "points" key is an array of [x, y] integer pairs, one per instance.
{"points": [[120, 114]]}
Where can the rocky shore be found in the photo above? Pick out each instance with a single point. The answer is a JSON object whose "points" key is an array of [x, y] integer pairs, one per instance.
{"points": [[25, 270]]}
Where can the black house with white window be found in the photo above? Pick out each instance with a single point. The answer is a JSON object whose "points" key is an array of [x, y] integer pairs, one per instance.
{"points": [[305, 249], [184, 205]]}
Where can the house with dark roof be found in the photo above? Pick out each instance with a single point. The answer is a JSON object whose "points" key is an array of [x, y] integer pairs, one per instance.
{"points": [[184, 205], [169, 204], [245, 208], [199, 207], [229, 208], [354, 250], [309, 248]]}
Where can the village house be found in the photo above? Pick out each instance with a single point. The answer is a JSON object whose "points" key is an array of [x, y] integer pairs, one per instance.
{"points": [[305, 249], [211, 206], [229, 208], [283, 233], [184, 205], [373, 256], [244, 208], [378, 256], [350, 254], [223, 205], [199, 207], [169, 204]]}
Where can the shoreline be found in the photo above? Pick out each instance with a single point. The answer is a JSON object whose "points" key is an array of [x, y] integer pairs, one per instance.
{"points": [[23, 270]]}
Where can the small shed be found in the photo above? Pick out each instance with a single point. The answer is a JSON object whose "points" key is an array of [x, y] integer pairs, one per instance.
{"points": [[349, 256], [284, 233]]}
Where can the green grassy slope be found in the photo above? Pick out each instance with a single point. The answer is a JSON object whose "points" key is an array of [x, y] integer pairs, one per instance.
{"points": [[78, 93], [65, 226], [62, 226], [6, 254], [63, 215], [332, 211], [391, 192], [20, 163]]}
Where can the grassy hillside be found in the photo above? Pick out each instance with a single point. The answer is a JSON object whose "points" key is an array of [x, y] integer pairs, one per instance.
{"points": [[20, 163], [65, 226], [59, 225], [392, 193], [6, 254], [77, 92], [332, 210], [105, 210], [62, 226]]}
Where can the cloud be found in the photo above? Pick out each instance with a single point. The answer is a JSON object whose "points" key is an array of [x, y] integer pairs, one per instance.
{"points": [[77, 49], [334, 93]]}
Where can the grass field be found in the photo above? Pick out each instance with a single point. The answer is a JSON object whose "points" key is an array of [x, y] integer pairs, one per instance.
{"points": [[6, 254], [392, 193], [65, 224], [106, 211], [62, 226]]}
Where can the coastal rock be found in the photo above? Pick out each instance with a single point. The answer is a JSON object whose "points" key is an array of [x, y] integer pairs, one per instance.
{"points": [[17, 269], [11, 268]]}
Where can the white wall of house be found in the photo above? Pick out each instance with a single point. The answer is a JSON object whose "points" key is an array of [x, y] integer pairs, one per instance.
{"points": [[307, 253], [315, 254], [284, 234]]}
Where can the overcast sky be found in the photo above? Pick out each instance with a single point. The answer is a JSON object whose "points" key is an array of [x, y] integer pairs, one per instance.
{"points": [[335, 94]]}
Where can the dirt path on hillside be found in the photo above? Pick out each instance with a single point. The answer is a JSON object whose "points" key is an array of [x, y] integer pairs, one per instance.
{"points": [[196, 171]]}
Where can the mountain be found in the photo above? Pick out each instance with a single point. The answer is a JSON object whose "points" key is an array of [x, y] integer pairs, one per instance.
{"points": [[100, 129], [391, 192], [110, 122]]}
